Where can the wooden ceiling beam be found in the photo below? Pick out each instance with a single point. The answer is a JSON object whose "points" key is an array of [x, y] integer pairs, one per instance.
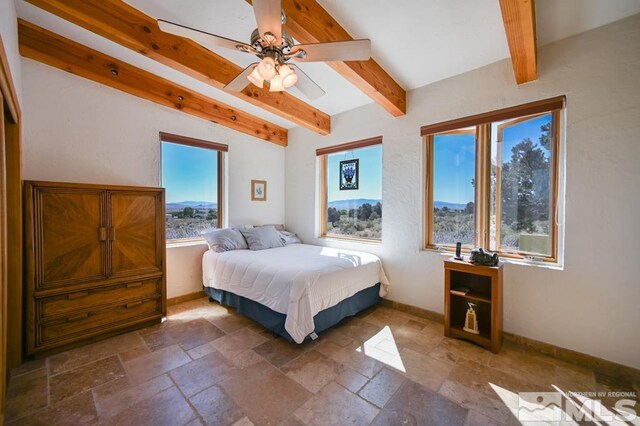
{"points": [[54, 50], [519, 18], [127, 26], [309, 22]]}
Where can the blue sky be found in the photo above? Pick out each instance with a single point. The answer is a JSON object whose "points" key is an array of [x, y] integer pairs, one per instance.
{"points": [[189, 173], [454, 168], [370, 174], [513, 135], [455, 158]]}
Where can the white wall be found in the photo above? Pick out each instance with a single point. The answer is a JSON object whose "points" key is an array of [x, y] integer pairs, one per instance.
{"points": [[9, 34], [76, 130], [591, 306]]}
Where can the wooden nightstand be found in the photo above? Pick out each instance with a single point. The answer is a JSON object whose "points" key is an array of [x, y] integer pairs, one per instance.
{"points": [[484, 285]]}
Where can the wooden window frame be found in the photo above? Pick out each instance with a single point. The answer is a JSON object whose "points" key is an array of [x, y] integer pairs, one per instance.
{"points": [[200, 143], [482, 198], [322, 154]]}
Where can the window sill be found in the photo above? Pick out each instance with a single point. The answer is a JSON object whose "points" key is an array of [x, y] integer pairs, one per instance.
{"points": [[186, 242], [507, 260], [350, 240]]}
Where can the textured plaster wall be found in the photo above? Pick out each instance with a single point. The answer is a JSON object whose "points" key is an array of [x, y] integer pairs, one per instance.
{"points": [[80, 131], [591, 305]]}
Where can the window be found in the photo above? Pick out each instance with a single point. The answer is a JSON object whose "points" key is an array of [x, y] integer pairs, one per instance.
{"points": [[192, 174], [351, 190], [492, 181]]}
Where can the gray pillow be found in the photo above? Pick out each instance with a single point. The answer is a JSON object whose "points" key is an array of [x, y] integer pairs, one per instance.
{"points": [[226, 239], [290, 238], [263, 237]]}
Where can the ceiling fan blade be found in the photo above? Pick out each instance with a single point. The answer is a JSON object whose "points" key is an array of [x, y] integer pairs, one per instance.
{"points": [[269, 17], [307, 86], [240, 81], [205, 39], [352, 50]]}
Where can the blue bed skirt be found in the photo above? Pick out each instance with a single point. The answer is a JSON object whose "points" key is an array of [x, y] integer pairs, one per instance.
{"points": [[274, 321]]}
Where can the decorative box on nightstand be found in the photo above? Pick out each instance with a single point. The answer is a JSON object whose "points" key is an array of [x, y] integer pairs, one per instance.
{"points": [[465, 283]]}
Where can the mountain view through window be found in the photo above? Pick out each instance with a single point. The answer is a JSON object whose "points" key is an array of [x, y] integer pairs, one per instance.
{"points": [[190, 178]]}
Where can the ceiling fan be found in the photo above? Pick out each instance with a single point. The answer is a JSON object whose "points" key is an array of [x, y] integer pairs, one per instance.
{"points": [[275, 48]]}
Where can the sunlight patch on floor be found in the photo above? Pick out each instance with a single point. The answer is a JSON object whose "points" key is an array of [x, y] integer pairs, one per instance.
{"points": [[382, 347]]}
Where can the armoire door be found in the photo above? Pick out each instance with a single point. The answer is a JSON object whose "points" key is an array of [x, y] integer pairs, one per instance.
{"points": [[69, 236], [135, 232]]}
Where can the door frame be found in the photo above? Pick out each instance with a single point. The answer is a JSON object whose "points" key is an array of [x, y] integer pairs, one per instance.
{"points": [[11, 311]]}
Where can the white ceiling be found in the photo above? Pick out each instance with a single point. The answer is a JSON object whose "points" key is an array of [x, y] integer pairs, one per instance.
{"points": [[418, 42]]}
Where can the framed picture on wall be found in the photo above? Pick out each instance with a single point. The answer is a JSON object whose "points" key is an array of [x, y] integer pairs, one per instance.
{"points": [[349, 174], [258, 190]]}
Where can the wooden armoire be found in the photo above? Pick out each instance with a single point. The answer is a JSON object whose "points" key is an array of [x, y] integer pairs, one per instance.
{"points": [[94, 264]]}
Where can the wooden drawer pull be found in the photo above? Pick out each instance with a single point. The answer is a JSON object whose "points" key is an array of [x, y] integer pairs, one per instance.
{"points": [[77, 317], [102, 233], [134, 285], [134, 304], [79, 295]]}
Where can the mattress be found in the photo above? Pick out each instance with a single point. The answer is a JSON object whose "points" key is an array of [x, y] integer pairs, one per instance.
{"points": [[298, 280]]}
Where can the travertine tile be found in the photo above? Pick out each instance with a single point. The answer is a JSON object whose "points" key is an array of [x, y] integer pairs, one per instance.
{"points": [[85, 354], [26, 393], [132, 353], [279, 351], [382, 387], [113, 398], [156, 363], [359, 329], [215, 407], [354, 356], [165, 408], [313, 370], [352, 380], [491, 407], [243, 422], [239, 341], [77, 410], [263, 393], [158, 340], [453, 350], [417, 340], [415, 404], [334, 335], [230, 323], [194, 333], [84, 378], [423, 369], [532, 367], [476, 419], [202, 373], [28, 367], [334, 405], [327, 348], [489, 381]]}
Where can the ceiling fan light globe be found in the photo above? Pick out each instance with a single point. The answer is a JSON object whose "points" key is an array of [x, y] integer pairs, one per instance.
{"points": [[256, 78], [290, 79], [267, 68], [275, 85]]}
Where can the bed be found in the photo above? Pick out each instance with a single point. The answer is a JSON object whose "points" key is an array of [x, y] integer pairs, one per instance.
{"points": [[298, 290]]}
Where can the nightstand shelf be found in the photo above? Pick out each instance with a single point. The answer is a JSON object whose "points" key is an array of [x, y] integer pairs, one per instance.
{"points": [[481, 285]]}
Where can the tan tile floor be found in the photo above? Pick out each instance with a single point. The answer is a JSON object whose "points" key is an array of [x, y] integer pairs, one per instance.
{"points": [[208, 365]]}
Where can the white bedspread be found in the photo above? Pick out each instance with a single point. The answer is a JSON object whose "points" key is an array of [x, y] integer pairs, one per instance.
{"points": [[298, 280]]}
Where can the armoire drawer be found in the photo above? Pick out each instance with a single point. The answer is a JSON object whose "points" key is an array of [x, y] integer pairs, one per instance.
{"points": [[80, 300], [74, 326]]}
